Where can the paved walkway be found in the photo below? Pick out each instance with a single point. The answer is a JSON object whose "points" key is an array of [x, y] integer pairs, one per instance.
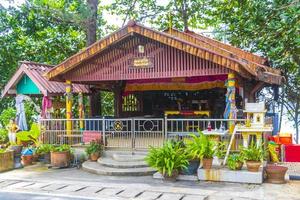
{"points": [[74, 183]]}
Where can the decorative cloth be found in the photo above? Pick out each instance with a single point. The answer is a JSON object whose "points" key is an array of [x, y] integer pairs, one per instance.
{"points": [[21, 117]]}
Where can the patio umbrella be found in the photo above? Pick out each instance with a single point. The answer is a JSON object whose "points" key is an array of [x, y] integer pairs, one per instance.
{"points": [[21, 117]]}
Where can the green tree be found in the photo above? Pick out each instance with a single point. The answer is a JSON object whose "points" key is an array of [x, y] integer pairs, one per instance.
{"points": [[270, 28]]}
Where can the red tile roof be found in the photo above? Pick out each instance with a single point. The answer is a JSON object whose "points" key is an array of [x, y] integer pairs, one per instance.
{"points": [[35, 71]]}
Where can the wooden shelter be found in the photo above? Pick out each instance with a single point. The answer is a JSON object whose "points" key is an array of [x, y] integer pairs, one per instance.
{"points": [[29, 80], [170, 72]]}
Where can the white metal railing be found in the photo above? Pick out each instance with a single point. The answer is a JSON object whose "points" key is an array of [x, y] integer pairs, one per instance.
{"points": [[130, 133]]}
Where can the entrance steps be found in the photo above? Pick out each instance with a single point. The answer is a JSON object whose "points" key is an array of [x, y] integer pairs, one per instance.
{"points": [[119, 164]]}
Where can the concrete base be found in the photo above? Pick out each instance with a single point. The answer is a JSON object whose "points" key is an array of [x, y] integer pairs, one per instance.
{"points": [[226, 175], [180, 177]]}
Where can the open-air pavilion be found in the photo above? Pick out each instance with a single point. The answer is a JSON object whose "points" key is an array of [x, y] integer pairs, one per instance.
{"points": [[165, 84]]}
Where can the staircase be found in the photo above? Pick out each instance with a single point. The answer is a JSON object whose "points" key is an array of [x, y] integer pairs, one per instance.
{"points": [[119, 164]]}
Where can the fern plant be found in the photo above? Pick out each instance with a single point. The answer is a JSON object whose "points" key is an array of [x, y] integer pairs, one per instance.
{"points": [[253, 153], [200, 146], [168, 159]]}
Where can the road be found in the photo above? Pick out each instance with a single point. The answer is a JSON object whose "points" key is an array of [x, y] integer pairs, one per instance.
{"points": [[41, 183]]}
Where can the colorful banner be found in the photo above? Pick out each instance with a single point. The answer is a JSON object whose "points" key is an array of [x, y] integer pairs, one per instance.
{"points": [[180, 83]]}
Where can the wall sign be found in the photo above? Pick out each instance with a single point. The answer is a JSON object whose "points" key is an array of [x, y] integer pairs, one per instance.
{"points": [[141, 62]]}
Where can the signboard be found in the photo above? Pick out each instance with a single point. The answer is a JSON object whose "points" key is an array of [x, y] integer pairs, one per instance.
{"points": [[89, 136], [141, 62]]}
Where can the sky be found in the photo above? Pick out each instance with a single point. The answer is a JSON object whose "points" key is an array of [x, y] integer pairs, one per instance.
{"points": [[115, 20]]}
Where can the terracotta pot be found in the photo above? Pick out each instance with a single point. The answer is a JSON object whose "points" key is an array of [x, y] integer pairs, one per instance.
{"points": [[253, 166], [171, 178], [207, 163], [276, 174], [94, 156], [27, 160], [239, 165], [60, 159]]}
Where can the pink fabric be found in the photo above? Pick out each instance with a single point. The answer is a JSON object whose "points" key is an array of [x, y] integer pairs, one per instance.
{"points": [[46, 104]]}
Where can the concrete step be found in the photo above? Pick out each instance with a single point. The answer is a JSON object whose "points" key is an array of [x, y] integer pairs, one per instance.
{"points": [[97, 168], [128, 157], [109, 162]]}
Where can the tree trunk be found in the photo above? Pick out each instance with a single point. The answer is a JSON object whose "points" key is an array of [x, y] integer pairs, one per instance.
{"points": [[281, 108], [91, 37], [184, 15], [297, 120], [91, 33]]}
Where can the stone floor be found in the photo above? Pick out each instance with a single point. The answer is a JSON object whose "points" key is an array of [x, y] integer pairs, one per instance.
{"points": [[75, 183]]}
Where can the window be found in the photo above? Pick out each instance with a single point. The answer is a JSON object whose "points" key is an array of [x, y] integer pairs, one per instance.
{"points": [[131, 103]]}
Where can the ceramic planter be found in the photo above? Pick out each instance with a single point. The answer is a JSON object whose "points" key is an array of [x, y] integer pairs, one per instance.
{"points": [[60, 159], [253, 166], [27, 160], [94, 156], [276, 174], [6, 161], [192, 167], [207, 163]]}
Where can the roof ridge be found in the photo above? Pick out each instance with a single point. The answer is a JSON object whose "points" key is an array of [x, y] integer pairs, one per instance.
{"points": [[35, 63]]}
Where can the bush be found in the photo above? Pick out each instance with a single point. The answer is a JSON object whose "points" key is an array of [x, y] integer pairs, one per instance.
{"points": [[3, 136], [235, 161], [62, 148], [94, 147], [6, 115], [221, 150], [253, 153], [44, 149], [170, 158], [200, 146]]}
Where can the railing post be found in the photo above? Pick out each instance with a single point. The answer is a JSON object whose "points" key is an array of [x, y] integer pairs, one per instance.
{"points": [[132, 135], [103, 132], [166, 127]]}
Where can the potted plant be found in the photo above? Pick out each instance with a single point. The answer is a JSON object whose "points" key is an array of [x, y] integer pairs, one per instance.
{"points": [[6, 160], [235, 161], [43, 151], [27, 156], [253, 156], [203, 148], [94, 150], [220, 152], [168, 160], [60, 156]]}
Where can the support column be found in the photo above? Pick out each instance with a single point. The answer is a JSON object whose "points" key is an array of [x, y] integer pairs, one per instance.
{"points": [[230, 110], [118, 102], [69, 101], [95, 103], [80, 110]]}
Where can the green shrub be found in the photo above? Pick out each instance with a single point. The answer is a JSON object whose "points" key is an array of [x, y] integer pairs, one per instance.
{"points": [[200, 146], [171, 157], [44, 149], [61, 148], [3, 136], [234, 161], [6, 115], [253, 153], [94, 147], [220, 150], [30, 136]]}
